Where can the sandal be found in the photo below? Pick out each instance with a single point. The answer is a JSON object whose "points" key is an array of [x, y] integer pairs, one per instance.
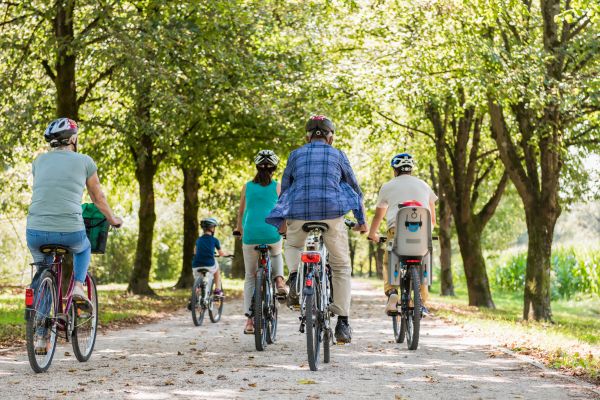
{"points": [[249, 328]]}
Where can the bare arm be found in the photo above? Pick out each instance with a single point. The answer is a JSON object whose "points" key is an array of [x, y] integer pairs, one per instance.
{"points": [[99, 199], [379, 214], [432, 208], [240, 215]]}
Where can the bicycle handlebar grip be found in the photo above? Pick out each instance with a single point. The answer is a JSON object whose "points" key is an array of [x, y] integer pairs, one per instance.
{"points": [[435, 238], [349, 223], [237, 233], [382, 239]]}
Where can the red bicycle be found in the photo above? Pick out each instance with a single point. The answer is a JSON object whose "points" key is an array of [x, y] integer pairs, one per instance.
{"points": [[50, 313]]}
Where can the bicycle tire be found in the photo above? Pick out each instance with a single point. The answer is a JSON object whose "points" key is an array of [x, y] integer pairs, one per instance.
{"points": [[215, 309], [399, 328], [272, 324], [414, 321], [197, 307], [83, 356], [47, 284], [313, 332], [260, 331], [327, 332]]}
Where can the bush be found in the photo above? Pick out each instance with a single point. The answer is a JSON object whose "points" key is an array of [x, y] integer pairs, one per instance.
{"points": [[574, 271]]}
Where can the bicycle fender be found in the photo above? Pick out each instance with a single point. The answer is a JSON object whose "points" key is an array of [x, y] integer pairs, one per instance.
{"points": [[308, 291]]}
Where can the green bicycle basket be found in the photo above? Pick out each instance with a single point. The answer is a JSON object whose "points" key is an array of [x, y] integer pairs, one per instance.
{"points": [[96, 227]]}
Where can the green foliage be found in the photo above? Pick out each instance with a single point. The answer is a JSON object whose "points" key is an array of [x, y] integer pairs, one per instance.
{"points": [[574, 272]]}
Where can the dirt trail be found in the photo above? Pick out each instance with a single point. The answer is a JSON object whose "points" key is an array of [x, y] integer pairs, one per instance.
{"points": [[174, 359]]}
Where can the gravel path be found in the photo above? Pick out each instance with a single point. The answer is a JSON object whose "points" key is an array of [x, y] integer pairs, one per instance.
{"points": [[174, 359]]}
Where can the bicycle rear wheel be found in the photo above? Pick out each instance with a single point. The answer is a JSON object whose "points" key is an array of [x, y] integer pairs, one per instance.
{"points": [[260, 326], [272, 313], [413, 319], [85, 323], [313, 332], [41, 329], [198, 309], [215, 305]]}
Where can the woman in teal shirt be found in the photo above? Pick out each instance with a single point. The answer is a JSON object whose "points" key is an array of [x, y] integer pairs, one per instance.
{"points": [[257, 199]]}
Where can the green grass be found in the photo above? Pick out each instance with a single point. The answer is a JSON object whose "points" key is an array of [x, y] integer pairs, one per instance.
{"points": [[117, 308]]}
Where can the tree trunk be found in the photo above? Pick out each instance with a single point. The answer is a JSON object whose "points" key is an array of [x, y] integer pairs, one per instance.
{"points": [[190, 224], [144, 173], [469, 240], [238, 269], [380, 250], [540, 229], [352, 247], [371, 251], [445, 233]]}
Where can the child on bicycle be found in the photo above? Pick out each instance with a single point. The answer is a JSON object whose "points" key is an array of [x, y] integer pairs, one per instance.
{"points": [[204, 253], [404, 187]]}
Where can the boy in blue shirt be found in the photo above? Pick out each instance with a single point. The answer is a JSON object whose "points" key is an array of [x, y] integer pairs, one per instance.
{"points": [[204, 253]]}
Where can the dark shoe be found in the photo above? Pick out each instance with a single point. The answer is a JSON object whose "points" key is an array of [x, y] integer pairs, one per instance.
{"points": [[292, 298], [219, 293], [189, 306], [343, 331]]}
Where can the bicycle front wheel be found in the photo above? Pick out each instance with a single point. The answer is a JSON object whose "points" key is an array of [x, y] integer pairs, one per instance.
{"points": [[313, 332], [413, 319], [215, 305], [260, 326], [41, 329], [85, 323], [198, 309]]}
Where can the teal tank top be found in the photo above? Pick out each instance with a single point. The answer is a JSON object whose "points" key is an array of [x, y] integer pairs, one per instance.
{"points": [[260, 200]]}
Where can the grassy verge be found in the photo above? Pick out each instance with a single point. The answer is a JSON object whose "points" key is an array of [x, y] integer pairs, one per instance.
{"points": [[117, 308], [571, 343]]}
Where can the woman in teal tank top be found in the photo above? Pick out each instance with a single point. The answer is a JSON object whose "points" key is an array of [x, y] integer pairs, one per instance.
{"points": [[258, 199]]}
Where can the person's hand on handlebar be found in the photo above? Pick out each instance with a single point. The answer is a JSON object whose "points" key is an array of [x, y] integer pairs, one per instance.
{"points": [[115, 221], [373, 236], [237, 232], [361, 228]]}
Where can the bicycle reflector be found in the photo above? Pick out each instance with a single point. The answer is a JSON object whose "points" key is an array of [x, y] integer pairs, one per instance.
{"points": [[29, 297], [413, 261], [311, 257]]}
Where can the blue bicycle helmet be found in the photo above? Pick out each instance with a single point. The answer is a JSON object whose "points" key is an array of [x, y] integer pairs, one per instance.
{"points": [[403, 161]]}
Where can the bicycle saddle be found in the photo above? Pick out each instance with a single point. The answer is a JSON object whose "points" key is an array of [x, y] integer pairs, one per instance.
{"points": [[204, 269], [262, 247], [309, 226], [54, 248]]}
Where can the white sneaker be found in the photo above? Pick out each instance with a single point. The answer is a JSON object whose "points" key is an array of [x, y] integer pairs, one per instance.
{"points": [[80, 298], [392, 304]]}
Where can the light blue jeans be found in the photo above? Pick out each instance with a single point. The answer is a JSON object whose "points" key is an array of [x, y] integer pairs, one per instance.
{"points": [[76, 242]]}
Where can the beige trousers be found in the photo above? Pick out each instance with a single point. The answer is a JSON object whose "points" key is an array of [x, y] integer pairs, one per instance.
{"points": [[386, 283], [336, 241]]}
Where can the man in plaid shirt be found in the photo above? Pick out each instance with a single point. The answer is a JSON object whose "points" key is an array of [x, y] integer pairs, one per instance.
{"points": [[318, 184]]}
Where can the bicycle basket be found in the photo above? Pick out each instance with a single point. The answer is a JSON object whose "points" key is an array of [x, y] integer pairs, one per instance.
{"points": [[96, 227]]}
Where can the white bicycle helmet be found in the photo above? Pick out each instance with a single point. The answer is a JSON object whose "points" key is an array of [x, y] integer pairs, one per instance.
{"points": [[208, 223], [266, 157], [60, 131], [403, 161]]}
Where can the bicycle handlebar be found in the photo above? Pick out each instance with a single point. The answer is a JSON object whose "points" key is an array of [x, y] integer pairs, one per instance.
{"points": [[237, 234]]}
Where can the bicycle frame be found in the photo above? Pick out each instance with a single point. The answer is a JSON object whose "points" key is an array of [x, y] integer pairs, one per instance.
{"points": [[63, 303]]}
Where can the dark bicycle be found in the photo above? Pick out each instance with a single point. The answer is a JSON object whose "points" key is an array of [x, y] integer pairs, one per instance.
{"points": [[203, 298], [409, 261], [50, 312], [264, 304]]}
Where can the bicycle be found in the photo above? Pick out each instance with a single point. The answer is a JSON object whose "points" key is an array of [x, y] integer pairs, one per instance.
{"points": [[264, 306], [406, 270], [316, 294], [202, 298], [48, 313]]}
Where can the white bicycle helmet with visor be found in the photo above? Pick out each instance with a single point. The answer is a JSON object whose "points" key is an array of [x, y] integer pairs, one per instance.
{"points": [[208, 223], [266, 158], [59, 132], [403, 161]]}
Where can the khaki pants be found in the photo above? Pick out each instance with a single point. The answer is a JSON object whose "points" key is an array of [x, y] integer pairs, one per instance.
{"points": [[336, 241], [386, 283]]}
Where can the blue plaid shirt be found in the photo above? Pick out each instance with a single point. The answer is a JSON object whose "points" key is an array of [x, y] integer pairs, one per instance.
{"points": [[318, 183]]}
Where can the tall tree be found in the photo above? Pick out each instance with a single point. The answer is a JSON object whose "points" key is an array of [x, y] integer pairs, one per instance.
{"points": [[540, 64]]}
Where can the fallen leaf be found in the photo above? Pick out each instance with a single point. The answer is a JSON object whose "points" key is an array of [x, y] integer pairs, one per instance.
{"points": [[306, 382], [179, 353], [252, 384], [67, 354], [169, 382], [221, 377], [199, 372]]}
